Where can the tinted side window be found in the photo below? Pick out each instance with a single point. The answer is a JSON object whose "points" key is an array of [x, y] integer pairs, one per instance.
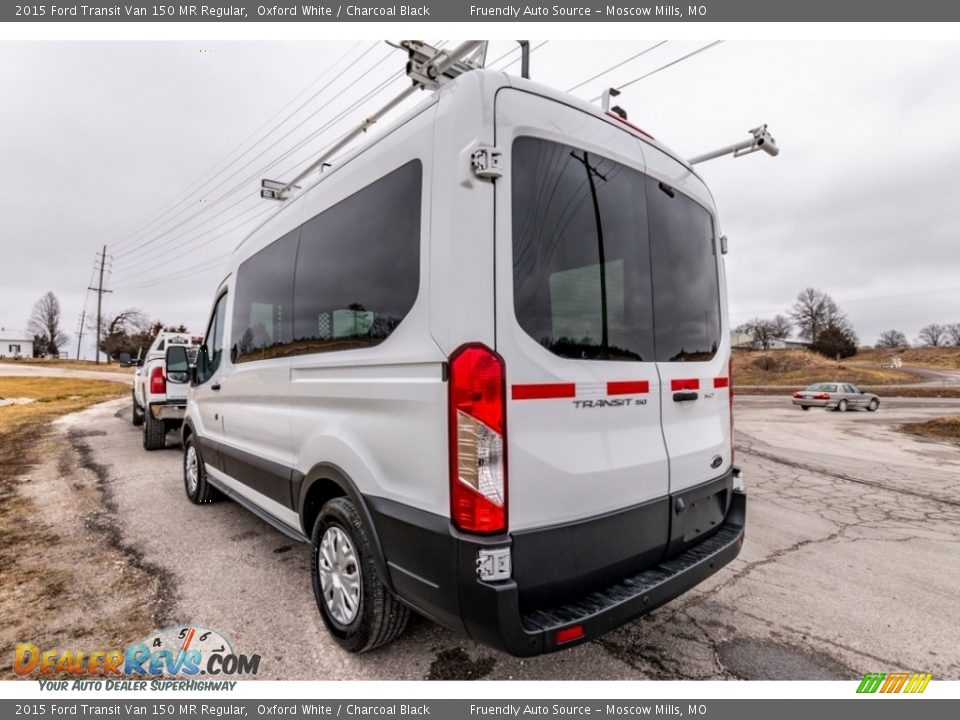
{"points": [[581, 260], [358, 269], [686, 290], [208, 361], [263, 302]]}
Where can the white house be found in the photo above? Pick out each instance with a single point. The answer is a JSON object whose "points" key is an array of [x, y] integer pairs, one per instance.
{"points": [[15, 344]]}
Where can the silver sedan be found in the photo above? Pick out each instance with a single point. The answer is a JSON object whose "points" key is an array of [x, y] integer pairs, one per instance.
{"points": [[835, 396]]}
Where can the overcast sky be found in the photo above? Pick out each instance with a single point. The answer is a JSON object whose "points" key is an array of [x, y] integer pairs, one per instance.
{"points": [[137, 145]]}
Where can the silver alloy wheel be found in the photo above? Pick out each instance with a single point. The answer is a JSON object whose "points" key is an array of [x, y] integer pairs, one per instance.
{"points": [[339, 572], [192, 470]]}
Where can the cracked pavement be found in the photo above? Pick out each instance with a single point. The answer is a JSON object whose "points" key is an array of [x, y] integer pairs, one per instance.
{"points": [[851, 564]]}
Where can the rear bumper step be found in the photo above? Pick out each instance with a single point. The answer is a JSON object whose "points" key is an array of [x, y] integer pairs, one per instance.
{"points": [[433, 568], [495, 618]]}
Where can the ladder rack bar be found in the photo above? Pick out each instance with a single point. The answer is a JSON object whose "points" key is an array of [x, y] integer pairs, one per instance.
{"points": [[440, 63]]}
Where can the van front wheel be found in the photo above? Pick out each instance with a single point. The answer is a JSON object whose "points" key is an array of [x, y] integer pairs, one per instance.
{"points": [[357, 608], [199, 491]]}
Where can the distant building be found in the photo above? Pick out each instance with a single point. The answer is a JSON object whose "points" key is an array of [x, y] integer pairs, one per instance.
{"points": [[744, 341], [15, 344]]}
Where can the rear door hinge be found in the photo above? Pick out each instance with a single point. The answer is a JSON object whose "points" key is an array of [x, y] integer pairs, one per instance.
{"points": [[486, 162]]}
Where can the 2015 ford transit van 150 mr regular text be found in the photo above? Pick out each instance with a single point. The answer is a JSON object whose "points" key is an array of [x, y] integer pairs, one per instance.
{"points": [[483, 366]]}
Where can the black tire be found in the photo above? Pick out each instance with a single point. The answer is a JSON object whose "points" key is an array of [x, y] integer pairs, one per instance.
{"points": [[200, 492], [804, 407], [154, 432], [842, 405], [137, 411], [379, 618], [874, 404]]}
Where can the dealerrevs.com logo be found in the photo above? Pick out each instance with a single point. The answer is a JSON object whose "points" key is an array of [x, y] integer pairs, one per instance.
{"points": [[174, 652], [894, 682]]}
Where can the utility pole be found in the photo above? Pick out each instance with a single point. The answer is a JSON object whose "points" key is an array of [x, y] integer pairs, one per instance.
{"points": [[83, 319], [100, 291]]}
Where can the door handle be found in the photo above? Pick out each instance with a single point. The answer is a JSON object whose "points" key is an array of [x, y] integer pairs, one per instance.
{"points": [[216, 386], [685, 396]]}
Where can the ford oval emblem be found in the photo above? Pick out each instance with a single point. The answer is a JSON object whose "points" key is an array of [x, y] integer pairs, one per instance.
{"points": [[715, 463]]}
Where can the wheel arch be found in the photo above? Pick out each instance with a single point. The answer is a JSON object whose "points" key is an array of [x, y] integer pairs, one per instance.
{"points": [[324, 482]]}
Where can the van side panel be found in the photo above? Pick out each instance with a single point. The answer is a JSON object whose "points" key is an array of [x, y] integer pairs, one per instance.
{"points": [[250, 422], [377, 413], [462, 247]]}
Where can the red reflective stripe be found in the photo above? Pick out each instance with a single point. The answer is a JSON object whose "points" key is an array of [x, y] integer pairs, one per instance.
{"points": [[628, 387], [721, 382], [685, 384], [543, 391]]}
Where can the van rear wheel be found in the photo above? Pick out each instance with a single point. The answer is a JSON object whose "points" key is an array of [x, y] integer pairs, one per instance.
{"points": [[356, 606]]}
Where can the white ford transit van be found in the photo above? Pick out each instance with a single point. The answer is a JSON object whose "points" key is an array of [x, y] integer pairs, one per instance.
{"points": [[482, 365]]}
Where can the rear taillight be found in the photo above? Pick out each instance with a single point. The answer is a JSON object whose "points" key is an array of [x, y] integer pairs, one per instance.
{"points": [[798, 394], [158, 383], [477, 427], [822, 396]]}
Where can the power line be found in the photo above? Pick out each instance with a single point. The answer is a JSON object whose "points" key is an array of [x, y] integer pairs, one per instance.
{"points": [[203, 177], [618, 65], [663, 67], [313, 135], [129, 251], [165, 251]]}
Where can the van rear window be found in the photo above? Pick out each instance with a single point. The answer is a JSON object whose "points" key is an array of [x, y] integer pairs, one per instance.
{"points": [[609, 264]]}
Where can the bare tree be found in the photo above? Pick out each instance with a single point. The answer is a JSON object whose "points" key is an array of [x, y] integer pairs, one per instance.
{"points": [[933, 335], [44, 324], [781, 326], [815, 311], [953, 334], [760, 331], [763, 332], [890, 339], [119, 332]]}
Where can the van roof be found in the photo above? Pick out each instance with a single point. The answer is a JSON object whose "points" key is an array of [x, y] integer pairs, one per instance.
{"points": [[496, 80]]}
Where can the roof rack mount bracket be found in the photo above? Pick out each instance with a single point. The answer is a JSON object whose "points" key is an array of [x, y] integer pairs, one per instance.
{"points": [[486, 162]]}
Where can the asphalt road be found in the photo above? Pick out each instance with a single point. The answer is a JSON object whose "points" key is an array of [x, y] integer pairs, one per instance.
{"points": [[851, 564]]}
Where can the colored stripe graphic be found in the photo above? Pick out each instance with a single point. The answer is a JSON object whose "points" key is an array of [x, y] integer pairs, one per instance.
{"points": [[894, 682], [871, 682], [721, 382], [543, 391], [628, 387], [684, 384]]}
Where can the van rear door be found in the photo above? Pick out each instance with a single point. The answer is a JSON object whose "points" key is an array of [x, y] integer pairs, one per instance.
{"points": [[574, 325], [691, 348]]}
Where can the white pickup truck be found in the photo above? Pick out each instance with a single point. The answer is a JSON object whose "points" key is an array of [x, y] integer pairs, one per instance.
{"points": [[158, 405]]}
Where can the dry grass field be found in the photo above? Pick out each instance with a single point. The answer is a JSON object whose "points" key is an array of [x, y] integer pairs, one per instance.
{"points": [[50, 397], [800, 368], [944, 428], [70, 365]]}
